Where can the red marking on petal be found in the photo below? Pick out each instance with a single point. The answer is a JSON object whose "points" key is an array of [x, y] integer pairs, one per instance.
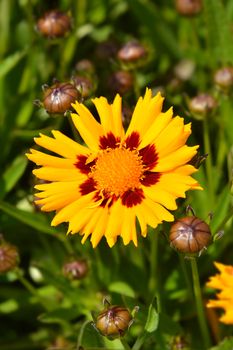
{"points": [[107, 200], [109, 141], [132, 140], [87, 186], [132, 197], [81, 164], [150, 178], [149, 156]]}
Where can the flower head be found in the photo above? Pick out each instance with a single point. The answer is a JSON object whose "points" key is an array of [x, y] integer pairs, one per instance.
{"points": [[224, 282], [100, 188]]}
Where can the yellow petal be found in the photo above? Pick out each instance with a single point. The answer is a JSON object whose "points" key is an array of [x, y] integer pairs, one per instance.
{"points": [[60, 146], [161, 196], [52, 188], [57, 201], [156, 128], [65, 214], [55, 174], [176, 158], [117, 117], [172, 137], [146, 110], [89, 129], [40, 158]]}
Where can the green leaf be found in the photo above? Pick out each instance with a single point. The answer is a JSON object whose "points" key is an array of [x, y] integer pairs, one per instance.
{"points": [[10, 62], [219, 35], [35, 220], [152, 319], [9, 306], [158, 32], [60, 315], [221, 209], [226, 344], [122, 288], [11, 176]]}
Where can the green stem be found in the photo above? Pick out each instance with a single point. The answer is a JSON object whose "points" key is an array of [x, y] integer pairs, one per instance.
{"points": [[81, 332], [199, 304], [125, 344], [209, 171], [225, 220], [186, 276], [154, 282], [31, 288]]}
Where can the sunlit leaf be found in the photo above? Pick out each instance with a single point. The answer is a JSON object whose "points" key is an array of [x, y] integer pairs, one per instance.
{"points": [[12, 174], [122, 288]]}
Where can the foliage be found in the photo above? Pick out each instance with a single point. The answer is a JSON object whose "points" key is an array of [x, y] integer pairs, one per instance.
{"points": [[39, 307]]}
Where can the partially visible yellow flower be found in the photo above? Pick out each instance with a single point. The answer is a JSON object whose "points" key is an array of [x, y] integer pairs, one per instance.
{"points": [[102, 188], [224, 282]]}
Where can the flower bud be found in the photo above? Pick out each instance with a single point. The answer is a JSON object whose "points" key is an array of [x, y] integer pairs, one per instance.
{"points": [[58, 98], [83, 85], [202, 104], [54, 24], [113, 321], [76, 269], [223, 78], [85, 66], [188, 7], [121, 82], [184, 69], [190, 235], [132, 52], [9, 256]]}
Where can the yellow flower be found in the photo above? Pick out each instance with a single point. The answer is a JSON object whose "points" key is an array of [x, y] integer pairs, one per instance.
{"points": [[224, 282], [100, 188]]}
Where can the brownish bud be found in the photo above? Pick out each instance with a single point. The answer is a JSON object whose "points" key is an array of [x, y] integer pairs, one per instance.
{"points": [[9, 256], [190, 235], [188, 7], [54, 24], [85, 66], [223, 78], [132, 52], [121, 82], [76, 269], [202, 104], [184, 69], [83, 85], [58, 98], [113, 321]]}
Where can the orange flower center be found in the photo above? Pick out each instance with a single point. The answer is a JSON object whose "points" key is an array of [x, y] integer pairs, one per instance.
{"points": [[117, 170]]}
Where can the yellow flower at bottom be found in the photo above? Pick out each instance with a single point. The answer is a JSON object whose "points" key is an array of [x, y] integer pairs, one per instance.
{"points": [[224, 282], [118, 176]]}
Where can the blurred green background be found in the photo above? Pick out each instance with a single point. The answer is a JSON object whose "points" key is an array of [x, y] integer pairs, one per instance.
{"points": [[40, 308]]}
